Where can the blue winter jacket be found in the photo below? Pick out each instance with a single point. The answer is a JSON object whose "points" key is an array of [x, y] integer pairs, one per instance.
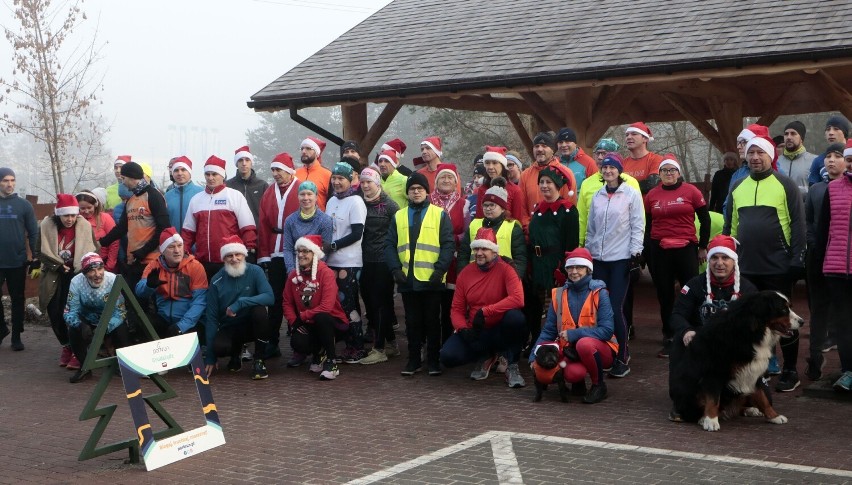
{"points": [[177, 200], [577, 294]]}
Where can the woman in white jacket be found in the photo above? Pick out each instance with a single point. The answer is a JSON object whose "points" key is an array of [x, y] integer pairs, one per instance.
{"points": [[614, 238]]}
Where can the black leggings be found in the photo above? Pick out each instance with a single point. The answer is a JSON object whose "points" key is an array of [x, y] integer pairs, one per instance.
{"points": [[321, 335], [81, 338], [277, 274], [56, 308], [668, 265], [377, 291], [229, 340]]}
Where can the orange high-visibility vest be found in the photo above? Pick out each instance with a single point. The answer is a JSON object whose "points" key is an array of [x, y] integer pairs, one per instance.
{"points": [[588, 314]]}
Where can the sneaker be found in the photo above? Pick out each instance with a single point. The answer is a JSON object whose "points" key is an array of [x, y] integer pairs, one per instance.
{"points": [[396, 326], [666, 350], [814, 367], [259, 370], [4, 330], [329, 371], [789, 381], [235, 364], [828, 345], [411, 368], [435, 369], [513, 377], [619, 369], [353, 356], [483, 368], [65, 356], [844, 383], [579, 389], [73, 363], [374, 357], [596, 394], [272, 353], [17, 345], [675, 417], [80, 376], [774, 369], [502, 365], [246, 355], [317, 362], [297, 359], [391, 349]]}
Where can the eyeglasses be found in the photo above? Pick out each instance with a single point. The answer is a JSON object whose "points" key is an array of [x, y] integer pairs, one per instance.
{"points": [[741, 143], [416, 188], [669, 170]]}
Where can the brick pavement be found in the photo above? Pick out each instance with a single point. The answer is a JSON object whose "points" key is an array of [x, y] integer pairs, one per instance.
{"points": [[292, 428]]}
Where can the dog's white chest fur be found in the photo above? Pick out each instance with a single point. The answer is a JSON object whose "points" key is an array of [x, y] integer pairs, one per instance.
{"points": [[746, 377]]}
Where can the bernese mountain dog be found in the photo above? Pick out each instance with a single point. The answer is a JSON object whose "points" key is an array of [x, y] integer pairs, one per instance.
{"points": [[720, 371]]}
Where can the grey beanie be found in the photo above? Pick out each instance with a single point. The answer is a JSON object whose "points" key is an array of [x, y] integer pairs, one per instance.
{"points": [[5, 172]]}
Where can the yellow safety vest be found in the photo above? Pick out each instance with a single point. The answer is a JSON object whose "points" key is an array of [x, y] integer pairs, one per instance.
{"points": [[428, 244], [504, 236]]}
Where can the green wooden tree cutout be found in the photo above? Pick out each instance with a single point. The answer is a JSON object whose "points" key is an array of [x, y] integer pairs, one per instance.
{"points": [[110, 368]]}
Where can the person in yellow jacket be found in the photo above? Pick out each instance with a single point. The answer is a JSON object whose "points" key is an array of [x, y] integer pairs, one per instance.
{"points": [[418, 252]]}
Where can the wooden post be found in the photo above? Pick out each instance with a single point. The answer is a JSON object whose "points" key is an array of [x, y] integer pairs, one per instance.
{"points": [[369, 140], [578, 113], [542, 110], [354, 121], [522, 132]]}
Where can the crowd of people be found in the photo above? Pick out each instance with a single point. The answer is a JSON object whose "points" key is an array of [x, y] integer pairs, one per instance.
{"points": [[488, 271]]}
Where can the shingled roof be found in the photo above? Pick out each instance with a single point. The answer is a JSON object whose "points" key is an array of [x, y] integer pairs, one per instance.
{"points": [[431, 46]]}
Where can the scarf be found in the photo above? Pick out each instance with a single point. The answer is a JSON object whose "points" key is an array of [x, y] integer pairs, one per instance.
{"points": [[795, 153], [140, 187], [444, 201], [346, 193], [306, 217], [377, 197]]}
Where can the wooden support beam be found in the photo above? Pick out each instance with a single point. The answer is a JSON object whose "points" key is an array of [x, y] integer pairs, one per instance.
{"points": [[779, 106], [608, 106], [703, 126], [542, 110], [522, 132], [840, 97], [368, 142], [729, 122], [578, 112], [354, 121], [475, 103]]}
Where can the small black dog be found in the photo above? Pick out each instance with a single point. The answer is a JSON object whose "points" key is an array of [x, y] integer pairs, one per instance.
{"points": [[547, 359]]}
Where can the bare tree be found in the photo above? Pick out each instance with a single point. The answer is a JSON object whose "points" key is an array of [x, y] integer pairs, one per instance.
{"points": [[52, 86]]}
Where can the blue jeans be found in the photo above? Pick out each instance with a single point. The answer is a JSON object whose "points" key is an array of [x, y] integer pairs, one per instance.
{"points": [[616, 275], [509, 335]]}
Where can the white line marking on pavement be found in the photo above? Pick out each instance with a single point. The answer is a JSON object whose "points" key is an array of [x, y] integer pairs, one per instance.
{"points": [[505, 460], [508, 470]]}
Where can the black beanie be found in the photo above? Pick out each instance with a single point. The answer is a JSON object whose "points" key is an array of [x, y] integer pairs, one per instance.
{"points": [[132, 170], [835, 148], [417, 178], [798, 126], [347, 145], [566, 134], [545, 138], [355, 164], [839, 122], [5, 172]]}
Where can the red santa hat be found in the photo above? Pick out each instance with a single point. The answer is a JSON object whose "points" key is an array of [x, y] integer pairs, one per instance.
{"points": [[232, 244], [181, 162], [418, 162], [579, 257], [847, 151], [434, 143], [670, 159], [641, 128], [485, 239], [242, 152], [121, 160], [283, 161], [497, 195], [447, 168], [396, 145], [167, 237], [766, 144], [726, 245], [66, 205], [314, 144], [313, 243], [391, 155], [90, 260], [496, 153], [752, 131], [216, 165]]}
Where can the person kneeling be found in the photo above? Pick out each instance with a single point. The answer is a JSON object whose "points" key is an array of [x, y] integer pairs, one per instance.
{"points": [[87, 298], [312, 308], [585, 331], [236, 310], [486, 313]]}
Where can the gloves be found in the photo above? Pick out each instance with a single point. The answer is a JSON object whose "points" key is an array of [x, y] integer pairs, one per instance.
{"points": [[154, 278], [635, 263], [35, 273], [570, 353], [399, 277], [796, 273], [264, 265], [327, 248], [252, 257], [298, 327], [478, 321], [173, 331], [436, 279], [468, 335], [34, 264]]}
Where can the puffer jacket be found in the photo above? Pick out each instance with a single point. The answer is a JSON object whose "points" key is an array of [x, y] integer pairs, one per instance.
{"points": [[838, 249]]}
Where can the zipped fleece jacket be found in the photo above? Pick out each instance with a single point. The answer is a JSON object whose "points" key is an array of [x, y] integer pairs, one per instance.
{"points": [[239, 294], [182, 294], [767, 216], [252, 189], [213, 215], [177, 200]]}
